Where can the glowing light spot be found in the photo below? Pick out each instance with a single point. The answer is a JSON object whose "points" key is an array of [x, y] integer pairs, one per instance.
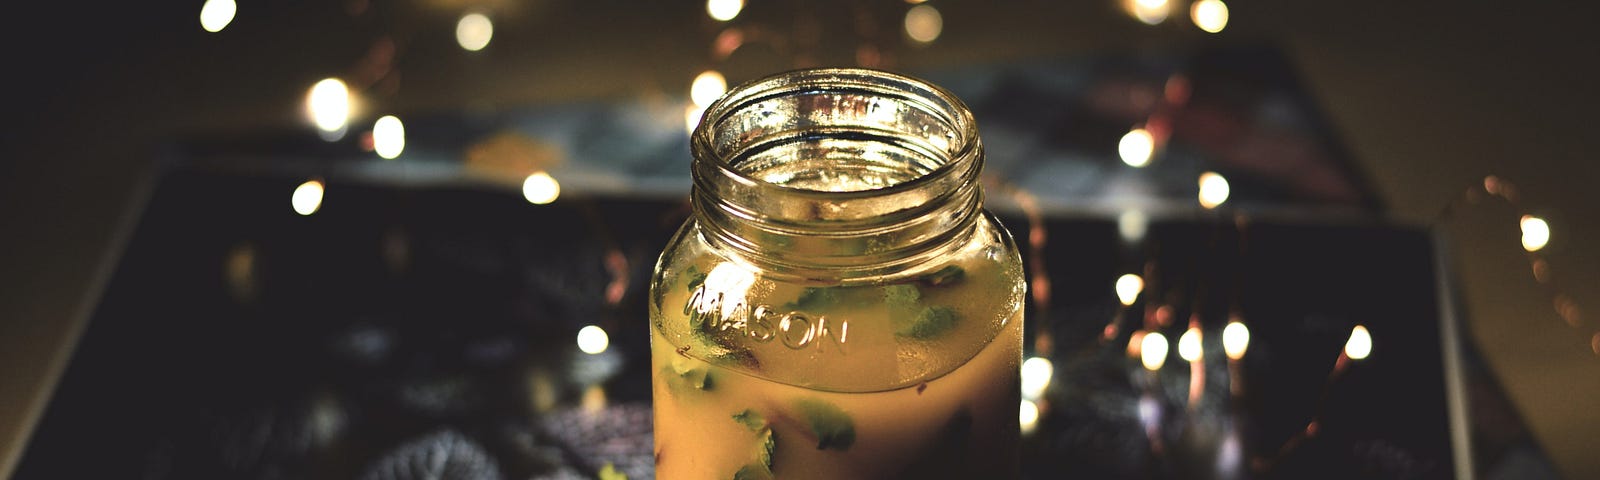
{"points": [[1235, 340], [724, 10], [215, 15], [924, 24], [540, 189], [1213, 190], [1128, 288], [474, 31], [1535, 233], [1153, 351], [1136, 147], [593, 340], [1028, 416], [329, 105], [1594, 343], [1189, 344], [1131, 225], [707, 87], [1360, 344], [691, 117], [1209, 15], [388, 137], [307, 197], [594, 400], [1150, 12], [1036, 374]]}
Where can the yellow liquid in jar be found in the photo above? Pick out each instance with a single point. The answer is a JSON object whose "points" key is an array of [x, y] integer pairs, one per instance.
{"points": [[948, 417]]}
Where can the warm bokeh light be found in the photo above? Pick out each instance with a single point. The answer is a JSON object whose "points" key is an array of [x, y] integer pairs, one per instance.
{"points": [[540, 188], [724, 10], [1131, 225], [1535, 233], [691, 117], [1210, 15], [707, 87], [1136, 147], [1360, 344], [1150, 12], [924, 24], [1235, 340], [593, 340], [329, 104], [474, 31], [1128, 288], [215, 15], [1189, 346], [388, 137], [1028, 416], [1594, 343], [1153, 350], [307, 197], [1036, 374], [1213, 190]]}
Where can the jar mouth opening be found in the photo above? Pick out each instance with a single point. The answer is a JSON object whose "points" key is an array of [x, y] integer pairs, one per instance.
{"points": [[835, 134]]}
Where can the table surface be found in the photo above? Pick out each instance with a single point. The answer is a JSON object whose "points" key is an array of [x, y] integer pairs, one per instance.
{"points": [[240, 340]]}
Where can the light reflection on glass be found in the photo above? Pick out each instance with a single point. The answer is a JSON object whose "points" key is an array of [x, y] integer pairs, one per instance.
{"points": [[328, 103], [474, 31], [724, 10], [731, 282], [1036, 374], [707, 87], [1153, 351], [1150, 12], [307, 197], [1128, 288], [924, 24], [1235, 339], [540, 189], [1535, 233], [1360, 344], [216, 14], [1028, 416], [1213, 190], [593, 340], [1209, 15], [1189, 344], [388, 137], [1136, 147]]}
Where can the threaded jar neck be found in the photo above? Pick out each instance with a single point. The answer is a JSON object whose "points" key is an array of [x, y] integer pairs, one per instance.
{"points": [[835, 174]]}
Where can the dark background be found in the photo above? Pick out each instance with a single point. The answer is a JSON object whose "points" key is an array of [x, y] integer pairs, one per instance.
{"points": [[1431, 96]]}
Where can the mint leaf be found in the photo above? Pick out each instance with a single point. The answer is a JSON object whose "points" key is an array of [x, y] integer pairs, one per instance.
{"points": [[766, 445], [945, 276], [682, 376], [765, 449], [752, 472], [930, 322], [609, 472], [815, 298], [751, 420], [695, 276], [832, 427], [903, 296]]}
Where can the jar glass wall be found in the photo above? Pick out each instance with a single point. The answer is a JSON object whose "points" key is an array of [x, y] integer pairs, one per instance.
{"points": [[839, 305]]}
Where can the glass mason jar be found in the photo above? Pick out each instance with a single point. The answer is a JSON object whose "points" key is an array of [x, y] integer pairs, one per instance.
{"points": [[839, 305]]}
